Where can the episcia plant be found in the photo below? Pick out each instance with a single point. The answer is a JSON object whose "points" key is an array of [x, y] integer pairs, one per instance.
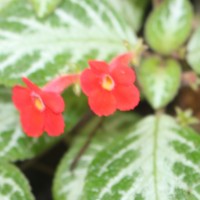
{"points": [[108, 87], [114, 82]]}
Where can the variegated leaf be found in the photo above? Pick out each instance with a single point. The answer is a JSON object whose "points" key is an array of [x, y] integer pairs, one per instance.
{"points": [[62, 43], [4, 3], [193, 51], [14, 144], [169, 26], [157, 159], [132, 10], [45, 7], [160, 80], [13, 184], [68, 184]]}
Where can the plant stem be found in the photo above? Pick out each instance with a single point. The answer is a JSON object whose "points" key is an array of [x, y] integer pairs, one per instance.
{"points": [[84, 120], [160, 112], [85, 146], [75, 130]]}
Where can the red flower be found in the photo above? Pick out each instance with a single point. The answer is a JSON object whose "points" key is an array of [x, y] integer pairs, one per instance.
{"points": [[110, 87], [40, 109], [59, 84]]}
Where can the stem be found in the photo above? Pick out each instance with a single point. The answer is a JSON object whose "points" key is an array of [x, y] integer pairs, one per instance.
{"points": [[85, 146], [75, 130], [160, 112]]}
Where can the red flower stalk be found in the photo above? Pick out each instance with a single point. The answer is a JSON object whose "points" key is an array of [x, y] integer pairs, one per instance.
{"points": [[41, 109], [110, 86]]}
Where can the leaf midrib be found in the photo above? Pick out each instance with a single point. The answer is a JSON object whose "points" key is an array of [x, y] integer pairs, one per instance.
{"points": [[70, 41], [155, 148], [77, 40]]}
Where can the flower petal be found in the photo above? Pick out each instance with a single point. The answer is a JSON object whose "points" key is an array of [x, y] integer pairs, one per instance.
{"points": [[54, 123], [21, 97], [99, 67], [89, 81], [122, 60], [127, 97], [102, 103], [53, 101], [32, 121], [61, 83], [123, 75], [31, 85]]}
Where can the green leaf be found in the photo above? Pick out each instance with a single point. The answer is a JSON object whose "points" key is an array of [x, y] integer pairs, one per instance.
{"points": [[45, 7], [60, 44], [4, 3], [14, 144], [193, 51], [13, 184], [68, 184], [132, 10], [156, 160], [169, 26], [160, 80]]}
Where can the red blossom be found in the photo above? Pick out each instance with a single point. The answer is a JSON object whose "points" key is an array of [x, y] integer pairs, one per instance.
{"points": [[41, 109], [110, 86], [61, 83]]}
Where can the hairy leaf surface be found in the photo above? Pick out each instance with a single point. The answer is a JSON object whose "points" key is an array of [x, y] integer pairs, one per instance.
{"points": [[193, 51], [132, 10], [169, 26], [45, 7], [13, 184], [159, 80], [62, 43], [68, 184], [156, 160]]}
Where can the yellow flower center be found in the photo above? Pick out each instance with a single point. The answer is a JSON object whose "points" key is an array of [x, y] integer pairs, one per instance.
{"points": [[108, 83], [38, 102]]}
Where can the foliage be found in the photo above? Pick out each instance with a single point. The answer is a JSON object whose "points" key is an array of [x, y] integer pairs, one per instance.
{"points": [[160, 80], [124, 156], [13, 183]]}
